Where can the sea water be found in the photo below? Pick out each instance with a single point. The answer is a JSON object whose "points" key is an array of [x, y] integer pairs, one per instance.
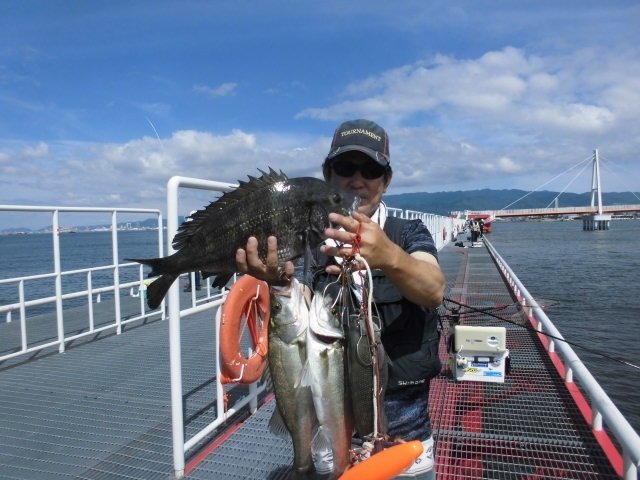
{"points": [[32, 255], [588, 281]]}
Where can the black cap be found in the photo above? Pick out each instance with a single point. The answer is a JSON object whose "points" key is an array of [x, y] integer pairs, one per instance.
{"points": [[361, 135]]}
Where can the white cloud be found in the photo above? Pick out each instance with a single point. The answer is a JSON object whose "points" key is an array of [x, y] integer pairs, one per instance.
{"points": [[490, 118], [38, 151], [505, 87], [221, 90]]}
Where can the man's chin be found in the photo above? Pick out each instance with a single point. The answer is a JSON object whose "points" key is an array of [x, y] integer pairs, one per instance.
{"points": [[366, 209]]}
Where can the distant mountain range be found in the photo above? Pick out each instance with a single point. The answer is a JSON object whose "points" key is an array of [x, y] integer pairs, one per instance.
{"points": [[440, 203]]}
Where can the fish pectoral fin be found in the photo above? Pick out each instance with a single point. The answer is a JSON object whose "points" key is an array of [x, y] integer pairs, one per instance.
{"points": [[306, 377], [277, 425], [157, 290], [267, 380]]}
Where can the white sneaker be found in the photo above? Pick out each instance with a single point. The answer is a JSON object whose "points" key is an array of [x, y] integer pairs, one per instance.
{"points": [[323, 461], [423, 467]]}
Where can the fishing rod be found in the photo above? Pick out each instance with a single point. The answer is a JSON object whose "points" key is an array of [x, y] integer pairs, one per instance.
{"points": [[527, 327]]}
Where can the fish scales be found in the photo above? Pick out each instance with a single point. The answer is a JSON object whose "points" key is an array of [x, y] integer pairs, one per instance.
{"points": [[360, 369], [327, 372], [287, 357], [295, 210]]}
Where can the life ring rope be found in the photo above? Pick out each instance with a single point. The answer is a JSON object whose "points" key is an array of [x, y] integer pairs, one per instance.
{"points": [[254, 320]]}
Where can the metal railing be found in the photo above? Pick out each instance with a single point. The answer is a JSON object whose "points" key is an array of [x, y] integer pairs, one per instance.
{"points": [[91, 293], [603, 410]]}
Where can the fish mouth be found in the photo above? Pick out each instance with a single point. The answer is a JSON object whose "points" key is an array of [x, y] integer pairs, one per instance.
{"points": [[354, 205]]}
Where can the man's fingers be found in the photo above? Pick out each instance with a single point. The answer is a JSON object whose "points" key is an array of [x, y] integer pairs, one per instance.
{"points": [[272, 253], [289, 268], [350, 224], [333, 269], [241, 260], [252, 252]]}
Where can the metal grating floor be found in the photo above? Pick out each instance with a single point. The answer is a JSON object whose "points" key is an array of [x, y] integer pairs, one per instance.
{"points": [[102, 409], [528, 427]]}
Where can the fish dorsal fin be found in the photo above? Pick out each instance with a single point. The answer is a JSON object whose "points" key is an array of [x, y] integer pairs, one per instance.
{"points": [[197, 219]]}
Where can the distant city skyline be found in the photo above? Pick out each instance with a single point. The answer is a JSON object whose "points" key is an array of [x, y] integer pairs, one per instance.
{"points": [[440, 203]]}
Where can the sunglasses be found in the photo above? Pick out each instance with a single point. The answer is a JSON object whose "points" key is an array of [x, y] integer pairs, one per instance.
{"points": [[369, 171]]}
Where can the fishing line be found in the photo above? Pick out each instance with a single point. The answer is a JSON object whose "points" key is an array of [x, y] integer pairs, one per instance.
{"points": [[548, 335]]}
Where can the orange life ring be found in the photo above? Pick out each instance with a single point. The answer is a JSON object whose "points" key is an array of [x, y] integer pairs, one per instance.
{"points": [[246, 305]]}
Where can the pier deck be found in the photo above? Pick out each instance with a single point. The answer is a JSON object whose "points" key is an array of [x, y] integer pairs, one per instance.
{"points": [[101, 410]]}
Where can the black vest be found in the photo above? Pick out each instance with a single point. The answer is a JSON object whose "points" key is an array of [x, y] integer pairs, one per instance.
{"points": [[409, 332]]}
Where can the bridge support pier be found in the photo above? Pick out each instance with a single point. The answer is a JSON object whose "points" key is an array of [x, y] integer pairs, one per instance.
{"points": [[596, 222]]}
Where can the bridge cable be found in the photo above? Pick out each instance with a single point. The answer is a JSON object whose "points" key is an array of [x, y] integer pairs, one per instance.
{"points": [[606, 166], [588, 159], [569, 184]]}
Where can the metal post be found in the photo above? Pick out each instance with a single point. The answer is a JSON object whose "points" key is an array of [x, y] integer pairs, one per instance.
{"points": [[596, 189], [175, 347], [23, 317], [58, 280], [90, 299], [116, 271]]}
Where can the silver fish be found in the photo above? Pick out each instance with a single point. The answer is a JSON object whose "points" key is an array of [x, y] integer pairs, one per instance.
{"points": [[325, 372], [365, 359], [295, 210], [287, 357]]}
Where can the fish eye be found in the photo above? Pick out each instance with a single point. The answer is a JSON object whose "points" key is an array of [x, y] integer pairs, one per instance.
{"points": [[276, 306], [336, 199]]}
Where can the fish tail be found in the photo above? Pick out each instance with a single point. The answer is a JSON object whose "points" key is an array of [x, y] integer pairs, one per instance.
{"points": [[157, 290], [158, 265]]}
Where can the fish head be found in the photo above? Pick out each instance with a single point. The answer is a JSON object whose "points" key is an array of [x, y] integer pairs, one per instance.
{"points": [[322, 199]]}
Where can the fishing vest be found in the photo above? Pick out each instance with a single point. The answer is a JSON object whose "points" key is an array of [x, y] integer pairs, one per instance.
{"points": [[410, 333]]}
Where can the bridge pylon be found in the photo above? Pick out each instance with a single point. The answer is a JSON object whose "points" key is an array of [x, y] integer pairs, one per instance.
{"points": [[600, 220]]}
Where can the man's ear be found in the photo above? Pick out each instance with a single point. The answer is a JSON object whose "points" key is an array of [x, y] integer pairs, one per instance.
{"points": [[387, 179], [326, 171]]}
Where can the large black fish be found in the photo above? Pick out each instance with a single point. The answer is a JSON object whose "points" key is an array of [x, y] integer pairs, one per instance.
{"points": [[295, 210]]}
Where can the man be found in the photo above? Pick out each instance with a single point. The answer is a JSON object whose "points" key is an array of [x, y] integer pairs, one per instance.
{"points": [[407, 291]]}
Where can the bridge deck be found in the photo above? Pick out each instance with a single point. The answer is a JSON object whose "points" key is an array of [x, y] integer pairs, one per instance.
{"points": [[102, 409]]}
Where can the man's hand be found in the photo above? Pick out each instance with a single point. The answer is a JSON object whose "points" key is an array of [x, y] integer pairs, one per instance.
{"points": [[248, 261], [361, 235]]}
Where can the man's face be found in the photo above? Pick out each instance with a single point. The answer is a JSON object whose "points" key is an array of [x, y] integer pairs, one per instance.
{"points": [[358, 173]]}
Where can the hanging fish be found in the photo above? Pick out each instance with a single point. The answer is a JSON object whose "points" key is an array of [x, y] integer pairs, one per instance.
{"points": [[295, 210]]}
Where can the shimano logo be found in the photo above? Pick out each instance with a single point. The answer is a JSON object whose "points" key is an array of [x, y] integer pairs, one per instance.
{"points": [[403, 383]]}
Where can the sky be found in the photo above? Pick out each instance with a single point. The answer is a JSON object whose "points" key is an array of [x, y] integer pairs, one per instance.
{"points": [[102, 102]]}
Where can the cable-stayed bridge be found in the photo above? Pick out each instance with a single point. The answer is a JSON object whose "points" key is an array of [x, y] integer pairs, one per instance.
{"points": [[533, 212], [595, 216]]}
